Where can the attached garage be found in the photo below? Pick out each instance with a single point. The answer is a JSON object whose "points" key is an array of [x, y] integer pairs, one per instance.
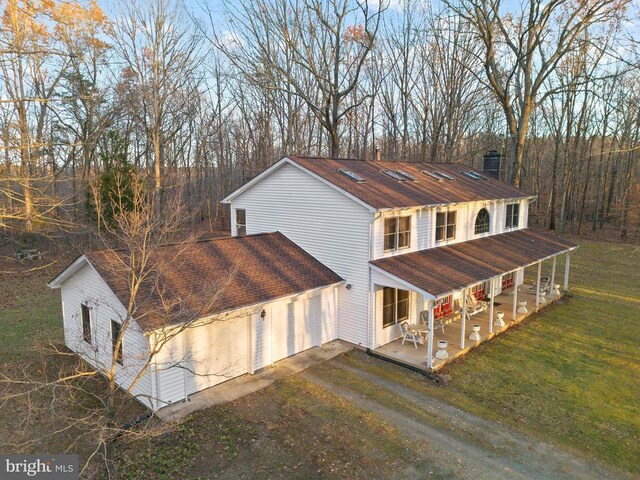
{"points": [[288, 327], [202, 357], [216, 352], [271, 300]]}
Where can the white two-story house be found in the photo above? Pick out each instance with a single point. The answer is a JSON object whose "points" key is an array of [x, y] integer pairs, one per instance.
{"points": [[414, 243], [401, 259]]}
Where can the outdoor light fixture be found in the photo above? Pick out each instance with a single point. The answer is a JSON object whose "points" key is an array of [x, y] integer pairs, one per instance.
{"points": [[263, 314], [348, 286]]}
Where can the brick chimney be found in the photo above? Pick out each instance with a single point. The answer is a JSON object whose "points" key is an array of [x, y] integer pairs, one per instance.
{"points": [[492, 164]]}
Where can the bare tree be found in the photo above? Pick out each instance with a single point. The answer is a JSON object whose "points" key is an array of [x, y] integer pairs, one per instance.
{"points": [[523, 48], [160, 49], [314, 50]]}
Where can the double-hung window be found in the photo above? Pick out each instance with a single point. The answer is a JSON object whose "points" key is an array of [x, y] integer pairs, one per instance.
{"points": [[115, 336], [397, 233], [86, 323], [513, 215], [395, 306], [241, 222], [445, 226]]}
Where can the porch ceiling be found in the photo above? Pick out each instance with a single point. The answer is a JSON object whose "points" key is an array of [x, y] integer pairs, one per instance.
{"points": [[442, 270]]}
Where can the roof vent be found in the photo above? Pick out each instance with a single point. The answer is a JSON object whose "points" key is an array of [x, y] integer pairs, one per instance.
{"points": [[474, 175], [394, 175], [438, 175], [352, 175]]}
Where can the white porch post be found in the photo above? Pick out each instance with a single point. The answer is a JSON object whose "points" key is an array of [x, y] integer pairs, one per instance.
{"points": [[464, 317], [492, 286], [515, 296], [538, 284], [430, 336], [566, 272], [553, 272]]}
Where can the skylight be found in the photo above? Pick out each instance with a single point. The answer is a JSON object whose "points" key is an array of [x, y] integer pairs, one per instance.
{"points": [[437, 175], [352, 175], [394, 175], [406, 175], [474, 175], [442, 174]]}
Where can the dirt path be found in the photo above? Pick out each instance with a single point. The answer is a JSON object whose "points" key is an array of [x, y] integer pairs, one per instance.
{"points": [[451, 443]]}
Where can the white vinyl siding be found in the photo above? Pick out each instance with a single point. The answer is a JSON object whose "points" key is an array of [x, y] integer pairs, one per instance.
{"points": [[326, 223], [423, 223], [86, 286], [243, 341], [294, 324]]}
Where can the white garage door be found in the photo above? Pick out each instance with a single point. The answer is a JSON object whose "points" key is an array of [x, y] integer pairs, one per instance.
{"points": [[288, 328], [216, 353], [294, 328]]}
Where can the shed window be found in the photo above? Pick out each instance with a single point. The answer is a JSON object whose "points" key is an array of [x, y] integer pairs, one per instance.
{"points": [[395, 306], [482, 222], [115, 335], [445, 226], [86, 323], [397, 233], [241, 222], [513, 215]]}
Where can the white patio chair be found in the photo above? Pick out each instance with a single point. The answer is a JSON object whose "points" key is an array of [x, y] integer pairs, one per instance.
{"points": [[545, 283], [437, 322], [475, 306], [407, 334]]}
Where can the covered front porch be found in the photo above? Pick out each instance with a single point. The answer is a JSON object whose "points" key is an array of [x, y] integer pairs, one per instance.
{"points": [[458, 344], [450, 322]]}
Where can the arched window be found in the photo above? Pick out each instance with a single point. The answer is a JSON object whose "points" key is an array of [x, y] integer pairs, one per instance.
{"points": [[482, 221]]}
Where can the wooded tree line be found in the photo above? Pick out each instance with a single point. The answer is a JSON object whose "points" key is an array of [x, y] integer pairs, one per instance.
{"points": [[202, 97]]}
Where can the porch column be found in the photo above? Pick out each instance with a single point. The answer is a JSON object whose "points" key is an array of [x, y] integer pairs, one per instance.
{"points": [[566, 272], [538, 284], [553, 272], [430, 336], [464, 318], [492, 286], [515, 297]]}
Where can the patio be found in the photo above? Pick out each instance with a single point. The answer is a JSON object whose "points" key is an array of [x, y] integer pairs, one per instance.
{"points": [[416, 357]]}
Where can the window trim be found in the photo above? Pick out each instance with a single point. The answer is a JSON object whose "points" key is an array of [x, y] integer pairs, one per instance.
{"points": [[446, 225], [119, 354], [85, 308], [488, 223], [396, 234], [509, 218], [239, 225], [395, 305]]}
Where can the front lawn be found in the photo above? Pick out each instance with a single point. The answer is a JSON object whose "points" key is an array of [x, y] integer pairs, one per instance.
{"points": [[571, 374]]}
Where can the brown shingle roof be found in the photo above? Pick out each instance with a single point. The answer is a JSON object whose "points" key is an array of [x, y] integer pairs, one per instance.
{"points": [[443, 270], [381, 191], [235, 271]]}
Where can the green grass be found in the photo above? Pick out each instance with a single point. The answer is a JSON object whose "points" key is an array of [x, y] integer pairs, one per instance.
{"points": [[30, 313], [569, 375]]}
